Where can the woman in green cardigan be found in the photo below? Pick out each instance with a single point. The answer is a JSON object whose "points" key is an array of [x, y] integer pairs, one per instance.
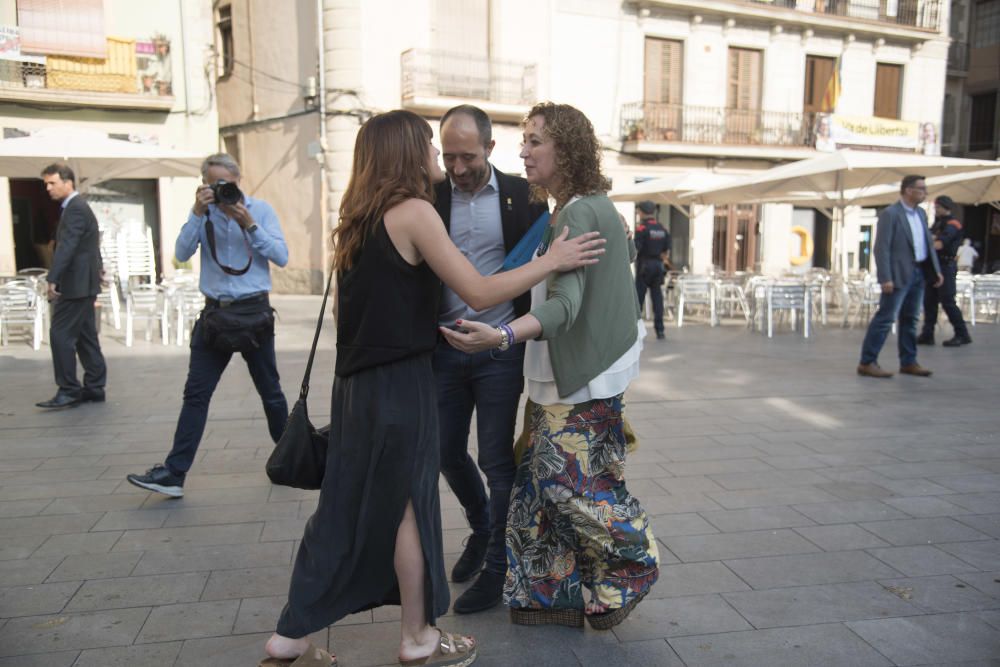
{"points": [[579, 544]]}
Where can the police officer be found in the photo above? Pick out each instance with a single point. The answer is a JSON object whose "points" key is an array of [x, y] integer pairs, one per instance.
{"points": [[652, 243], [947, 234]]}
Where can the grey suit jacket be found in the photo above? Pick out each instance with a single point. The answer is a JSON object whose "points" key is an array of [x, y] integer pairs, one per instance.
{"points": [[76, 264], [894, 244]]}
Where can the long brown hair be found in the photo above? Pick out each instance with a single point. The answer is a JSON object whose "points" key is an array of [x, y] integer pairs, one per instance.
{"points": [[389, 157], [578, 152]]}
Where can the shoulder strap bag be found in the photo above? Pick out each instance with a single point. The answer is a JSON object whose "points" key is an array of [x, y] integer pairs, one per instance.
{"points": [[299, 457]]}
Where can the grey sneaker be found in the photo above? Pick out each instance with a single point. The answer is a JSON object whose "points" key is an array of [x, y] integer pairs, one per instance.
{"points": [[159, 479]]}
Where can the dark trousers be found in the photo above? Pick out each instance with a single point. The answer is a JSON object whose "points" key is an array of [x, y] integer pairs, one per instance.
{"points": [[651, 278], [73, 332], [489, 382], [204, 371], [903, 303], [945, 295]]}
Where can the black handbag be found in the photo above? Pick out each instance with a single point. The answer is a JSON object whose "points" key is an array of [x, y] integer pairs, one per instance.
{"points": [[299, 457]]}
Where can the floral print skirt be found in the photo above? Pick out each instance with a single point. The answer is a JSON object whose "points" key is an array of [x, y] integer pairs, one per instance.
{"points": [[575, 536]]}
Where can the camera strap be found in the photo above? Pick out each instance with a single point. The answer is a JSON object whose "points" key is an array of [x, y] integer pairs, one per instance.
{"points": [[210, 233]]}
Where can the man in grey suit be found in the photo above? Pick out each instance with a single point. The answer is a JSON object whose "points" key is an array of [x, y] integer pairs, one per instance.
{"points": [[74, 280], [904, 256]]}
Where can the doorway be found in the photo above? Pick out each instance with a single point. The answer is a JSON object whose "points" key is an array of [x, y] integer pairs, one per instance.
{"points": [[736, 238], [35, 218]]}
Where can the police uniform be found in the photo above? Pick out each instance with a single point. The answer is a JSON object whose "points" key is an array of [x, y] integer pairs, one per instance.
{"points": [[651, 242], [948, 231]]}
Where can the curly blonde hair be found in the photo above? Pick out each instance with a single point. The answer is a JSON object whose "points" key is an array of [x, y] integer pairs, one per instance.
{"points": [[577, 153]]}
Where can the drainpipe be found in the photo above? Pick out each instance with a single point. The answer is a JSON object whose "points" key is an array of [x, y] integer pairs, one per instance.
{"points": [[324, 216], [184, 66]]}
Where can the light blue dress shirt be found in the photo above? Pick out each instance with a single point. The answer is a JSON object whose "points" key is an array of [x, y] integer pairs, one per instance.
{"points": [[68, 199], [477, 229], [267, 244], [918, 229]]}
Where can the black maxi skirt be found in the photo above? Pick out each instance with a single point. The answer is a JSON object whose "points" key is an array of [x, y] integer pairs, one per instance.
{"points": [[384, 451]]}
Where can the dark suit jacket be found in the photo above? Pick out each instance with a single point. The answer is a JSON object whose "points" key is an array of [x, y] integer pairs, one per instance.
{"points": [[76, 265], [894, 245], [517, 214]]}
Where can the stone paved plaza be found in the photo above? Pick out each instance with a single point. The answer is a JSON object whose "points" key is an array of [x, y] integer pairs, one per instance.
{"points": [[805, 516]]}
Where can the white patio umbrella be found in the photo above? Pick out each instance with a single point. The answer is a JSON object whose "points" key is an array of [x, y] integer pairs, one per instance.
{"points": [[669, 189], [94, 156], [833, 181]]}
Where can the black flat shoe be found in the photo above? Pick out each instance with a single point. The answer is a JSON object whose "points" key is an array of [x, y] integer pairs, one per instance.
{"points": [[92, 395], [60, 400]]}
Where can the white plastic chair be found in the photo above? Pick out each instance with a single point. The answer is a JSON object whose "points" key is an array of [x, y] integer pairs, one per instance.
{"points": [[145, 302], [20, 304], [695, 290], [790, 296], [986, 295]]}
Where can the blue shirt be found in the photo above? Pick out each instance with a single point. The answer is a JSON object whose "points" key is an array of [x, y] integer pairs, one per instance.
{"points": [[917, 229], [476, 228], [267, 244], [68, 199]]}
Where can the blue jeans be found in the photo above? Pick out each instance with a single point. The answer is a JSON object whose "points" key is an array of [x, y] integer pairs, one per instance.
{"points": [[204, 372], [490, 383], [903, 304]]}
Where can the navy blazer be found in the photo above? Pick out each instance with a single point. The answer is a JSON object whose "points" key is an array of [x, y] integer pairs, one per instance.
{"points": [[76, 264], [517, 213], [894, 244]]}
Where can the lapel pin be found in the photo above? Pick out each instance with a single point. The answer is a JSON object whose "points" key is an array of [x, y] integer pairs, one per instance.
{"points": [[510, 205]]}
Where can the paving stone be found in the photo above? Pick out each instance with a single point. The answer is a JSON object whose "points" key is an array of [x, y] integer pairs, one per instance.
{"points": [[285, 529], [19, 508], [56, 490], [690, 548], [22, 548], [856, 490], [987, 582], [60, 659], [925, 506], [692, 484], [235, 651], [969, 483], [81, 567], [984, 523], [757, 518], [977, 503], [926, 469], [159, 538], [840, 537], [132, 520], [831, 644], [675, 504], [827, 603], [260, 614], [809, 569], [940, 594], [26, 571], [81, 543], [47, 525], [768, 497], [251, 582], [907, 532], [85, 504], [741, 481], [189, 621], [714, 467], [920, 561], [43, 634], [665, 525], [919, 640], [138, 591], [984, 555], [651, 652], [849, 511], [35, 599], [695, 579], [228, 557], [149, 655], [674, 617]]}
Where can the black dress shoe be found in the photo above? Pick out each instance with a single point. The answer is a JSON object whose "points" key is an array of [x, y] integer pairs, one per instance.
{"points": [[924, 339], [957, 341], [60, 400], [660, 335], [92, 395], [485, 594], [471, 560]]}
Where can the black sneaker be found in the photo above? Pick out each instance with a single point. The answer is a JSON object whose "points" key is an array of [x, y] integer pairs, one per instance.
{"points": [[924, 339], [957, 341], [471, 560], [159, 479], [485, 594]]}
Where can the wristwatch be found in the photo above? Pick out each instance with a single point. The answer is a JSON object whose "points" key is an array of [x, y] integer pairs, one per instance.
{"points": [[252, 228]]}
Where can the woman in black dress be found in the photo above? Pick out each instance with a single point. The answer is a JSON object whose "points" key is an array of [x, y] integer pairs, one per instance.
{"points": [[376, 535]]}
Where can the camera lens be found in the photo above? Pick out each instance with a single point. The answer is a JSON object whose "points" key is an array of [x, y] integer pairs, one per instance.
{"points": [[226, 193]]}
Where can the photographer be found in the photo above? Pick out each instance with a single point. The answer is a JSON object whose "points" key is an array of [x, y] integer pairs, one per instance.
{"points": [[239, 236]]}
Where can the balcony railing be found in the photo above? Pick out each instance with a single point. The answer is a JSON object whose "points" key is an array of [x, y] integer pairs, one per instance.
{"points": [[654, 121], [440, 74], [924, 14], [958, 57]]}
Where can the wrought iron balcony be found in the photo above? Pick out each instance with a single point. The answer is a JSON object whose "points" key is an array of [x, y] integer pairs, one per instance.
{"points": [[654, 121], [429, 75]]}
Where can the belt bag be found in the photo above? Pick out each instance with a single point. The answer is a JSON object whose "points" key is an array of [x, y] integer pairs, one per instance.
{"points": [[239, 327]]}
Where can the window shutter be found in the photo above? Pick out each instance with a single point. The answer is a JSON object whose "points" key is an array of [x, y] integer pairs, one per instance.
{"points": [[653, 84], [819, 71], [744, 79], [65, 27], [887, 85], [664, 71]]}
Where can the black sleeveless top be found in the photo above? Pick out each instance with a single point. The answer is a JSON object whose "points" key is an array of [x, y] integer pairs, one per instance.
{"points": [[388, 308]]}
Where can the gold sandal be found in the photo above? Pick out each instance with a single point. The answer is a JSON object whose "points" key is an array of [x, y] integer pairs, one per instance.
{"points": [[451, 651]]}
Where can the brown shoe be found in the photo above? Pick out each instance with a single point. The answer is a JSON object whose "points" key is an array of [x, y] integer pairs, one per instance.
{"points": [[915, 369], [873, 370]]}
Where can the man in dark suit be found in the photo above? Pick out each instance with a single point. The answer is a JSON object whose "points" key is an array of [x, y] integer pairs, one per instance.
{"points": [[904, 257], [486, 213], [74, 280]]}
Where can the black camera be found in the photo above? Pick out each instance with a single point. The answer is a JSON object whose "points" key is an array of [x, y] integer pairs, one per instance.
{"points": [[226, 193]]}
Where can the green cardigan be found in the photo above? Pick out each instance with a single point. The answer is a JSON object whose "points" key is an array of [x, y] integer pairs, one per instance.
{"points": [[589, 318]]}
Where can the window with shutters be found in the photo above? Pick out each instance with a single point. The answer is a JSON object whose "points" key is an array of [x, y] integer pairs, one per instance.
{"points": [[743, 95], [819, 71], [66, 27], [461, 31], [888, 84], [224, 29], [663, 89]]}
